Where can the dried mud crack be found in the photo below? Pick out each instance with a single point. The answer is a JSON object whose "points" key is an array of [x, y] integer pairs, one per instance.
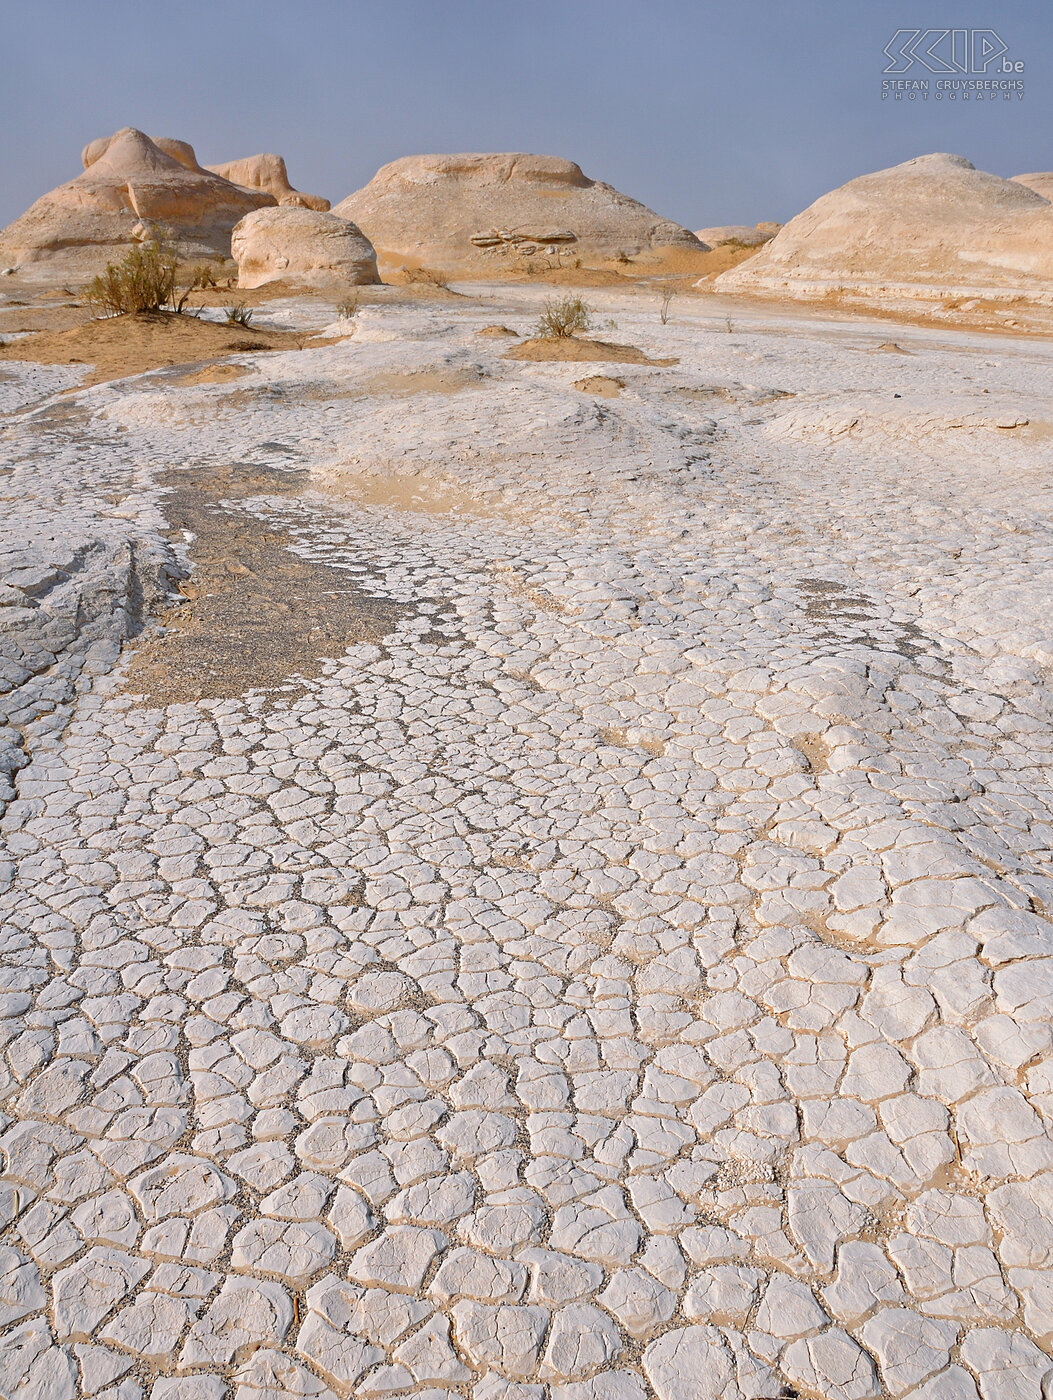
{"points": [[622, 969]]}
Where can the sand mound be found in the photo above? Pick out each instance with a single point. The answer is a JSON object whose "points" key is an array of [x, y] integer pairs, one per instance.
{"points": [[920, 229], [741, 234], [131, 190], [301, 244], [267, 172], [575, 348], [485, 213], [604, 385], [124, 345]]}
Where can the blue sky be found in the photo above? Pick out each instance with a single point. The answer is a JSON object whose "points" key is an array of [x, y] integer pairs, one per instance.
{"points": [[711, 113]]}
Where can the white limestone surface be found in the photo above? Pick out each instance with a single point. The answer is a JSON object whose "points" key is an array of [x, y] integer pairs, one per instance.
{"points": [[631, 977]]}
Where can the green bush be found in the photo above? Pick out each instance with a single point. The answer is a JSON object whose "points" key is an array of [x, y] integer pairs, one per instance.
{"points": [[144, 280], [564, 317]]}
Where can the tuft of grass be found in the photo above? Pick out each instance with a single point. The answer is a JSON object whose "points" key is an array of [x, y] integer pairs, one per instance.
{"points": [[348, 310], [239, 315], [668, 294], [564, 317], [144, 280]]}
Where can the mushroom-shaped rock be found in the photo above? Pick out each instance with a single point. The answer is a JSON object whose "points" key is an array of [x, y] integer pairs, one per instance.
{"points": [[927, 227], [485, 212], [268, 172], [301, 245], [132, 184], [742, 234]]}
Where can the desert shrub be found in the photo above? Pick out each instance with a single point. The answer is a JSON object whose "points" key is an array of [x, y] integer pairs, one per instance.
{"points": [[563, 317], [144, 280], [348, 310], [668, 293], [239, 315]]}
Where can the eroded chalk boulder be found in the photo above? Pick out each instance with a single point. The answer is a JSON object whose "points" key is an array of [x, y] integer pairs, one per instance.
{"points": [[484, 213], [301, 245]]}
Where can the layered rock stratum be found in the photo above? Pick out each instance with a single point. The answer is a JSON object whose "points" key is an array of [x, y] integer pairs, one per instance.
{"points": [[487, 212]]}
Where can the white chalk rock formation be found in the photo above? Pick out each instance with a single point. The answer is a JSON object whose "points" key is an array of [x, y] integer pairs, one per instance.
{"points": [[130, 189], [301, 245], [182, 151], [1041, 181], [268, 172], [482, 212], [744, 234], [930, 226]]}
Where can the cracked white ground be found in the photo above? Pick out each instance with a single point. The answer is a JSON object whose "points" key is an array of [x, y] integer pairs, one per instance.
{"points": [[630, 976]]}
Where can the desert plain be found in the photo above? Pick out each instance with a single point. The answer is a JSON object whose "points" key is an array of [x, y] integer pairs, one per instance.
{"points": [[525, 865]]}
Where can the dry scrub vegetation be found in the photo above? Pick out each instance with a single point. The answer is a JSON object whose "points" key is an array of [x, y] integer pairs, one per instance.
{"points": [[145, 280], [563, 317]]}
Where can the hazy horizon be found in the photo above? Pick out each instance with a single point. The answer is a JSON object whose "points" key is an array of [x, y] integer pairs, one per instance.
{"points": [[706, 115]]}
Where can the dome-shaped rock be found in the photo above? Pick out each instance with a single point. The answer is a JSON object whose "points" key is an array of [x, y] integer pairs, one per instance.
{"points": [[132, 187], [1041, 181], [923, 228], [484, 212], [268, 172], [301, 245]]}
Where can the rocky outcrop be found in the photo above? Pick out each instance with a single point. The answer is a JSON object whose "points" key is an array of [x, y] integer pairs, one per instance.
{"points": [[63, 610], [131, 189], [267, 172], [742, 234], [182, 151], [930, 226], [301, 245], [484, 213], [1040, 181]]}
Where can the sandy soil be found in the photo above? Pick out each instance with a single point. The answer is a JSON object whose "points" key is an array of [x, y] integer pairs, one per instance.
{"points": [[257, 616], [126, 345], [606, 386], [575, 348]]}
